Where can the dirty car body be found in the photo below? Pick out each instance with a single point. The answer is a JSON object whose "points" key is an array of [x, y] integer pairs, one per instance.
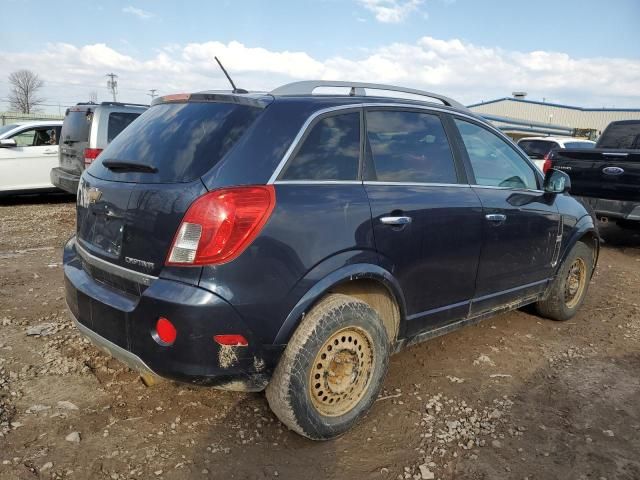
{"points": [[446, 242]]}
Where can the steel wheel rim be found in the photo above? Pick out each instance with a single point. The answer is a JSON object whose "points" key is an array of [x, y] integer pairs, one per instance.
{"points": [[341, 372], [575, 283]]}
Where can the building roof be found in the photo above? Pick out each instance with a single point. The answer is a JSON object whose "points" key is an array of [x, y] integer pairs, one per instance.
{"points": [[570, 107]]}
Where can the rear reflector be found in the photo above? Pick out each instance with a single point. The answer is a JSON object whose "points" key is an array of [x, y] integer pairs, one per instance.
{"points": [[220, 224], [90, 154], [231, 340], [165, 333]]}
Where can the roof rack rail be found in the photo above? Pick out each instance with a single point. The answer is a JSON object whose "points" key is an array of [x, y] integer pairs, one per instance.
{"points": [[358, 88], [124, 104]]}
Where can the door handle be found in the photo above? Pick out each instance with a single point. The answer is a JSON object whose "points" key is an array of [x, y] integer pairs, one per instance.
{"points": [[495, 217], [49, 152], [396, 220]]}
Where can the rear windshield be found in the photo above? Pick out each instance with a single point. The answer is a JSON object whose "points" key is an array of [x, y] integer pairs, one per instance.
{"points": [[181, 141], [75, 127], [583, 145], [537, 148], [621, 135]]}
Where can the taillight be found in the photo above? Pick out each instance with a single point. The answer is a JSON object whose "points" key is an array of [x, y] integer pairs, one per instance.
{"points": [[90, 154], [548, 162], [220, 224]]}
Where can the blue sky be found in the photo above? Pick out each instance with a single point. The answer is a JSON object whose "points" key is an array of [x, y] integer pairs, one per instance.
{"points": [[495, 45]]}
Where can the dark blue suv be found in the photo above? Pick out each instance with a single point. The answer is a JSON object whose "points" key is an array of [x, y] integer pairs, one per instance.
{"points": [[293, 240]]}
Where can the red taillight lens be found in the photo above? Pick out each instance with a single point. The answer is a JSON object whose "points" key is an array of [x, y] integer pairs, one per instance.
{"points": [[165, 331], [219, 225], [548, 162], [90, 154], [231, 340]]}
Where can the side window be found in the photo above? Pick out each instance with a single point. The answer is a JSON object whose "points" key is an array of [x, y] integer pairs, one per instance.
{"points": [[409, 147], [537, 148], [494, 162], [331, 151], [25, 138], [118, 121]]}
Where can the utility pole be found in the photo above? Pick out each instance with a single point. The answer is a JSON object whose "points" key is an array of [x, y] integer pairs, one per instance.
{"points": [[152, 93], [112, 84]]}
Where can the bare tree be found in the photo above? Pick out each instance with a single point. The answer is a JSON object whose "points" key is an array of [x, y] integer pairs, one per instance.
{"points": [[23, 96]]}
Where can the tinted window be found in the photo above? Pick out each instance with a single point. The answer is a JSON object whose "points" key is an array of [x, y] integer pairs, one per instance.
{"points": [[181, 140], [330, 152], [621, 135], [537, 148], [409, 147], [583, 145], [118, 121], [494, 162], [76, 126]]}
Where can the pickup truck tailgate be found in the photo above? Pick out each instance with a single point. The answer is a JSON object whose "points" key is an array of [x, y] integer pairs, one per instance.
{"points": [[600, 173]]}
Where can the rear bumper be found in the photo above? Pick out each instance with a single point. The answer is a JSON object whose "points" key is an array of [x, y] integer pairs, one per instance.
{"points": [[124, 325], [615, 209], [65, 180]]}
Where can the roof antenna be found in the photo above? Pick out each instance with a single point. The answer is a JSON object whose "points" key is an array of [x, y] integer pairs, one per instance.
{"points": [[235, 90]]}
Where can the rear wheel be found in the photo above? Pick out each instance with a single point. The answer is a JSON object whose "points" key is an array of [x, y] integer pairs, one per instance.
{"points": [[332, 368], [568, 290]]}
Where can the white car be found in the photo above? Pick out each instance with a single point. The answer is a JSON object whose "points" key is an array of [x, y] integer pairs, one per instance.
{"points": [[538, 147], [28, 152]]}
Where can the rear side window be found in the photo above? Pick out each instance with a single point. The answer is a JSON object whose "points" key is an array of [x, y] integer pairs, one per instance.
{"points": [[621, 135], [118, 121], [331, 151], [495, 163], [537, 148], [76, 126], [182, 141], [409, 147]]}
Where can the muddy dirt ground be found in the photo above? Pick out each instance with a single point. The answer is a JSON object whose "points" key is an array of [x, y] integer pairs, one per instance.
{"points": [[514, 397]]}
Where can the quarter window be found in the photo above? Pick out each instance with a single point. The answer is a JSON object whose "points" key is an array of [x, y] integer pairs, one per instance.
{"points": [[331, 151], [409, 147], [495, 163]]}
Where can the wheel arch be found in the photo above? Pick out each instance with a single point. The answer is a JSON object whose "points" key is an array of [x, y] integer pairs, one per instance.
{"points": [[585, 231], [367, 282]]}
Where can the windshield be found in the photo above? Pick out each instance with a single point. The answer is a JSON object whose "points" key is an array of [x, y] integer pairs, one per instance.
{"points": [[181, 141], [7, 128]]}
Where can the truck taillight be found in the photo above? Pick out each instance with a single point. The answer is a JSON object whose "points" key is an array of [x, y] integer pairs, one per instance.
{"points": [[90, 154], [220, 224], [548, 162]]}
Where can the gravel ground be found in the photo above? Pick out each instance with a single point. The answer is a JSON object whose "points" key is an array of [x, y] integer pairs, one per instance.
{"points": [[514, 397]]}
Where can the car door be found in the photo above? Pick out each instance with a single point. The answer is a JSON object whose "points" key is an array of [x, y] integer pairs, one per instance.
{"points": [[521, 224], [27, 165], [426, 218]]}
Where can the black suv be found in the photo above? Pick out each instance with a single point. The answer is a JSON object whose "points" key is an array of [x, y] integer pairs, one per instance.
{"points": [[294, 241]]}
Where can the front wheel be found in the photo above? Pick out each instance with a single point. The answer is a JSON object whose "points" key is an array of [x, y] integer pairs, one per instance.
{"points": [[568, 290], [332, 369]]}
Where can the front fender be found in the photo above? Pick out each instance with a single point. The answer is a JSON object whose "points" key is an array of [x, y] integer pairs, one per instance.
{"points": [[320, 287], [584, 226]]}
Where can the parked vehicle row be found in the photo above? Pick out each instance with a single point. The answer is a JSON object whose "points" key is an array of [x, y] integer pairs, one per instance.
{"points": [[294, 241], [537, 148], [608, 177]]}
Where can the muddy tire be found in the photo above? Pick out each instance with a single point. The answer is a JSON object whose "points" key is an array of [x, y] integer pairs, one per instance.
{"points": [[332, 369], [568, 290]]}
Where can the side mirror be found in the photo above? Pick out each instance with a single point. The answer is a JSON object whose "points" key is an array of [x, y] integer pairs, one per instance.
{"points": [[7, 143], [556, 181]]}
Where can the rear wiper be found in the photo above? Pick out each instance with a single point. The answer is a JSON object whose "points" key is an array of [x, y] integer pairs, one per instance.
{"points": [[117, 166]]}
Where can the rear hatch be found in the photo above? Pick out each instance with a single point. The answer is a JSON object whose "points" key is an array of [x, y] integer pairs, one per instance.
{"points": [[74, 138], [601, 173], [132, 199]]}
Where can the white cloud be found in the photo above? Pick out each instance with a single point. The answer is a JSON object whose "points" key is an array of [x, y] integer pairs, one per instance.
{"points": [[391, 11], [138, 12], [464, 71]]}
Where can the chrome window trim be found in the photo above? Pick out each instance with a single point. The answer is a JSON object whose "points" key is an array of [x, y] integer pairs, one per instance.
{"points": [[113, 269], [318, 182], [515, 189], [417, 184]]}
